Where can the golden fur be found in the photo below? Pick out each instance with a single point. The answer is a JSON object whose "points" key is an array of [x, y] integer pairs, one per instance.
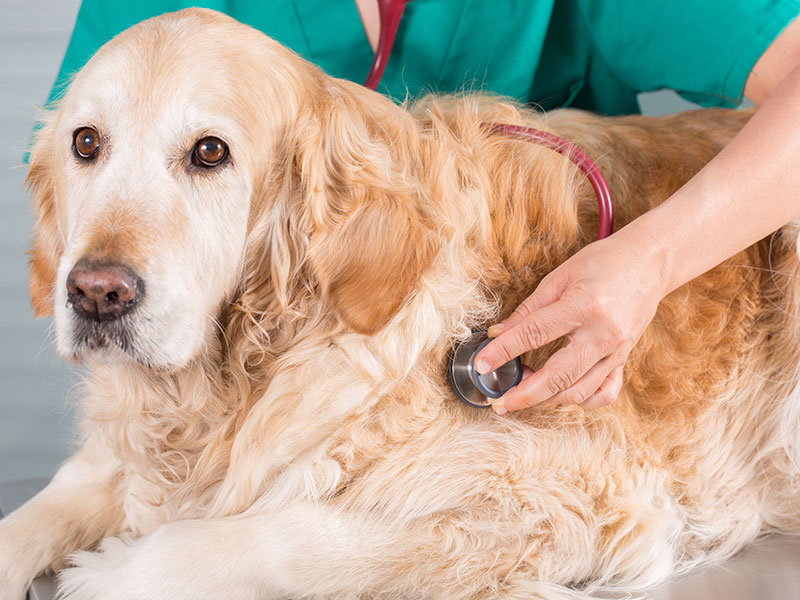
{"points": [[283, 426]]}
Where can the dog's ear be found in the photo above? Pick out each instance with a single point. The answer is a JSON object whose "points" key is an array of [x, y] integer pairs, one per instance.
{"points": [[46, 247], [370, 238]]}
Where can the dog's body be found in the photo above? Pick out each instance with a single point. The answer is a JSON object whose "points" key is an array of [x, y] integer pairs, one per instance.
{"points": [[273, 419]]}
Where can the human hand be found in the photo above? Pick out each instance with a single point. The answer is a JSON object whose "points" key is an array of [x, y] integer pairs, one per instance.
{"points": [[601, 299]]}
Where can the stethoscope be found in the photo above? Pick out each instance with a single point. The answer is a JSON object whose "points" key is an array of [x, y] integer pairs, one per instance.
{"points": [[470, 386]]}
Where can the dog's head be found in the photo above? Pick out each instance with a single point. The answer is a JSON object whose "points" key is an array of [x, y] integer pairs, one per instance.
{"points": [[194, 164]]}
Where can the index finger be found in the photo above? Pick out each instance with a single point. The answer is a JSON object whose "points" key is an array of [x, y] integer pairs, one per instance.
{"points": [[546, 293], [539, 328]]}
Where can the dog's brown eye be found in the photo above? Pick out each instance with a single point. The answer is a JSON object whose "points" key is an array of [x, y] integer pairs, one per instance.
{"points": [[209, 152], [86, 142]]}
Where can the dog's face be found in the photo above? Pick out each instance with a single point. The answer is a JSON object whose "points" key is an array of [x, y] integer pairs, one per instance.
{"points": [[150, 202], [180, 141]]}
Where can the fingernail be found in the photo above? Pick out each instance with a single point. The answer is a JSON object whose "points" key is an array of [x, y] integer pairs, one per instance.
{"points": [[495, 330], [499, 408], [483, 366]]}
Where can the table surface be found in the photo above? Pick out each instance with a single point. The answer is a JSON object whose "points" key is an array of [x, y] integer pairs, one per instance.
{"points": [[767, 570]]}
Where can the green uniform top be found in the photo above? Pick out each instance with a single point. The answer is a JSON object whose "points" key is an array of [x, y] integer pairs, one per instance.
{"points": [[593, 54]]}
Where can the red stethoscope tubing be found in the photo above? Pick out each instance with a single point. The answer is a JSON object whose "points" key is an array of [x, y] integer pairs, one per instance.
{"points": [[576, 155], [390, 12]]}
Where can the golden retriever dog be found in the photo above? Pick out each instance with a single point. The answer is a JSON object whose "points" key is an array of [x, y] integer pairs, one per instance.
{"points": [[264, 269]]}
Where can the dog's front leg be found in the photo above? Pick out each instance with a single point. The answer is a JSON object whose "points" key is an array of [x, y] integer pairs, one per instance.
{"points": [[308, 551], [75, 510]]}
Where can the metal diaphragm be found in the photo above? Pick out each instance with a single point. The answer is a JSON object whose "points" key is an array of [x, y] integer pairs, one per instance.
{"points": [[472, 387]]}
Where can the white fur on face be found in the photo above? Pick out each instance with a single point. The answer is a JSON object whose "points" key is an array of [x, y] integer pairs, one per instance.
{"points": [[179, 227]]}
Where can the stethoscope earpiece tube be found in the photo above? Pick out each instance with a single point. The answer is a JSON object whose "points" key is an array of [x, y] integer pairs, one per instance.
{"points": [[390, 12], [467, 383]]}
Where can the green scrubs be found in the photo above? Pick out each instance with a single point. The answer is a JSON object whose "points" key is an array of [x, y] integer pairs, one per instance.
{"points": [[592, 54]]}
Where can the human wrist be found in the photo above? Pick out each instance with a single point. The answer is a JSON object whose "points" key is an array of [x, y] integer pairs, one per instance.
{"points": [[646, 241]]}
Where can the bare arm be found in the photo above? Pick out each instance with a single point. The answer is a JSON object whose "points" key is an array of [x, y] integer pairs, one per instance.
{"points": [[752, 188]]}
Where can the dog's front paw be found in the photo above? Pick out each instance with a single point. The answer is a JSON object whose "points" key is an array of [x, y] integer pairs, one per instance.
{"points": [[121, 569], [15, 572], [98, 575], [155, 567]]}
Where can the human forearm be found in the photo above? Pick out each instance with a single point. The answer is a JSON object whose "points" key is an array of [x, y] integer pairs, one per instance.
{"points": [[749, 190]]}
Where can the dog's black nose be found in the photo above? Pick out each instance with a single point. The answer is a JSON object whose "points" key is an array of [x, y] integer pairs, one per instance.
{"points": [[103, 291]]}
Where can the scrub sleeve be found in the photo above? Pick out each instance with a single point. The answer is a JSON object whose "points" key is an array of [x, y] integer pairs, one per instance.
{"points": [[583, 53]]}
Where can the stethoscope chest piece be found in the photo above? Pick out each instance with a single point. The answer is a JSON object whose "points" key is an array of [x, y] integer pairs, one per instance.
{"points": [[470, 386]]}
